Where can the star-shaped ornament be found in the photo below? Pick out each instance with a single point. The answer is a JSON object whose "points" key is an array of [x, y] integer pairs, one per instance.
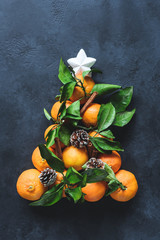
{"points": [[81, 63]]}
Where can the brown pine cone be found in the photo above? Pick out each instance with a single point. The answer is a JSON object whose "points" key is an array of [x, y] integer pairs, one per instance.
{"points": [[48, 177], [79, 138], [95, 163]]}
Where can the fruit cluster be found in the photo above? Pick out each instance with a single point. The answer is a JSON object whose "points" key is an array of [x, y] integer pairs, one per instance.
{"points": [[79, 160]]}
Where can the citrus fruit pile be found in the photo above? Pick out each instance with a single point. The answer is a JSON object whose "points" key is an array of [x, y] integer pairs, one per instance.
{"points": [[79, 159]]}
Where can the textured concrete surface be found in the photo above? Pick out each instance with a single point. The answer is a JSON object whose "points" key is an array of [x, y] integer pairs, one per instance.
{"points": [[124, 36]]}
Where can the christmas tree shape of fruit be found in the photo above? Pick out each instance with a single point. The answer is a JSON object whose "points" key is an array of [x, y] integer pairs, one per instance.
{"points": [[79, 159]]}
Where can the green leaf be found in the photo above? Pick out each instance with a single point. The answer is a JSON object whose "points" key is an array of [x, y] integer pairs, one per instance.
{"points": [[94, 142], [113, 185], [73, 176], [50, 137], [106, 116], [46, 136], [52, 160], [74, 193], [57, 97], [92, 70], [84, 180], [123, 118], [62, 111], [82, 200], [67, 91], [74, 110], [107, 134], [104, 144], [85, 128], [85, 73], [73, 117], [105, 88], [96, 70], [50, 197], [95, 175], [64, 134], [102, 108], [47, 115], [111, 174], [64, 75], [122, 99]]}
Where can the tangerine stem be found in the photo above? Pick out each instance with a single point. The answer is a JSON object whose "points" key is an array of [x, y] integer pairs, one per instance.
{"points": [[79, 81], [30, 188], [122, 186]]}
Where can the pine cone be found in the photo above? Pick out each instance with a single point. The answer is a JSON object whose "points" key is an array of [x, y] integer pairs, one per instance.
{"points": [[48, 177], [95, 163], [79, 138]]}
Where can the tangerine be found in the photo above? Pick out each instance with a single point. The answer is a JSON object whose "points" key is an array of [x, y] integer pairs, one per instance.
{"points": [[75, 157], [95, 134], [56, 107], [94, 191], [129, 181], [59, 179], [89, 117], [37, 160], [29, 185], [78, 92], [113, 160]]}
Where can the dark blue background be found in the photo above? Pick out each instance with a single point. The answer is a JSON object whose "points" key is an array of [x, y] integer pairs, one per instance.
{"points": [[124, 37]]}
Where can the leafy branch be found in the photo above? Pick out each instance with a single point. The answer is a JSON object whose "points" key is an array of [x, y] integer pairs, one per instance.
{"points": [[113, 183]]}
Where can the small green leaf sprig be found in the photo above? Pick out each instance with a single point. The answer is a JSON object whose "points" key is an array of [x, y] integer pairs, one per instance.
{"points": [[113, 114]]}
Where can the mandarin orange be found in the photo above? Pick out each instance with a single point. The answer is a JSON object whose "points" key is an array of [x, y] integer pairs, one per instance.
{"points": [[56, 107], [29, 185], [37, 160], [113, 160], [78, 92], [75, 157], [53, 126], [94, 191], [89, 117], [129, 181]]}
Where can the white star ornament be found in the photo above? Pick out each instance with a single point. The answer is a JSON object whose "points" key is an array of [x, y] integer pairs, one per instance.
{"points": [[81, 63]]}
